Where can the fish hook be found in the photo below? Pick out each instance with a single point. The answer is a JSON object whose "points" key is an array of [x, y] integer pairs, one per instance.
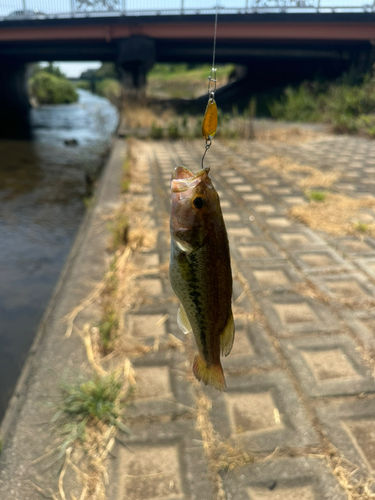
{"points": [[207, 147]]}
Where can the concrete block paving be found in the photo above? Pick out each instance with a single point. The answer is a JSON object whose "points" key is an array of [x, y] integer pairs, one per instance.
{"points": [[300, 375]]}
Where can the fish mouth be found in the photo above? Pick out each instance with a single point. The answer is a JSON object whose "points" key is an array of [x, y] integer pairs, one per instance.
{"points": [[184, 179]]}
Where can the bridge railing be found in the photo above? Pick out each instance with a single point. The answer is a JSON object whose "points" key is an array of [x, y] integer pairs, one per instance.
{"points": [[41, 9]]}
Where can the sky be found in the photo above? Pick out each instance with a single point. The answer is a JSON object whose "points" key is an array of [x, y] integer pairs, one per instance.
{"points": [[74, 69]]}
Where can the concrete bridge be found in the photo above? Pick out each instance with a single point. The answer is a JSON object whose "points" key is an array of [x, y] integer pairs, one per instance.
{"points": [[286, 44]]}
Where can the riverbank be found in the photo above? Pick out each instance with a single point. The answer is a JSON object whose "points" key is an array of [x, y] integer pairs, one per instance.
{"points": [[24, 430], [44, 187]]}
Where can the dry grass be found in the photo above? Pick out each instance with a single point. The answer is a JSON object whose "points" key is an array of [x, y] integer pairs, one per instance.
{"points": [[143, 116], [357, 483], [311, 177], [291, 135], [219, 455], [338, 215]]}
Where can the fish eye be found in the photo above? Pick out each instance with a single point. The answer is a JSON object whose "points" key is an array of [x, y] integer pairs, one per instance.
{"points": [[198, 202]]}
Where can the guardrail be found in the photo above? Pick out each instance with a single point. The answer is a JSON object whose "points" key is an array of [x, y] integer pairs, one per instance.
{"points": [[45, 9]]}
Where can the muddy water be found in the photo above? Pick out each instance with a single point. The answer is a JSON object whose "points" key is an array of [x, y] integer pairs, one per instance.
{"points": [[43, 184]]}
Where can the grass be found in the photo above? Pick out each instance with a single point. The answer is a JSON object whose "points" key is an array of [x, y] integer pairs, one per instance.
{"points": [[181, 81], [88, 403], [362, 227], [318, 196], [107, 328], [120, 229], [109, 88], [126, 177]]}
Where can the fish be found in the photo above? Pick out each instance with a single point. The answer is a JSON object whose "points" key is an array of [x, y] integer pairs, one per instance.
{"points": [[200, 271]]}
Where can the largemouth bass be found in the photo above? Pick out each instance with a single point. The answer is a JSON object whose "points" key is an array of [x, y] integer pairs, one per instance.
{"points": [[200, 271]]}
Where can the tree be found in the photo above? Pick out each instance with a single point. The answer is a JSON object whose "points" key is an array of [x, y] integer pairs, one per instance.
{"points": [[53, 70]]}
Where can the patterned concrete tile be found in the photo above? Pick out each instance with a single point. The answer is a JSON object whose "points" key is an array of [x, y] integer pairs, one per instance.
{"points": [[261, 412], [147, 325], [346, 287], [253, 198], [231, 217], [265, 209], [251, 349], [283, 479], [362, 324], [320, 260], [162, 389], [243, 188], [282, 191], [236, 179], [146, 259], [290, 315], [351, 246], [256, 250], [150, 472], [367, 265], [295, 200], [151, 287], [159, 462], [351, 428], [278, 222], [271, 276], [297, 238], [328, 366], [238, 235]]}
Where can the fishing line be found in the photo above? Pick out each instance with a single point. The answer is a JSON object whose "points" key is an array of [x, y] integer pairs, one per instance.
{"points": [[209, 125]]}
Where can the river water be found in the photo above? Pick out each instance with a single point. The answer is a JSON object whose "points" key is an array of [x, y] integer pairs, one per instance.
{"points": [[43, 185]]}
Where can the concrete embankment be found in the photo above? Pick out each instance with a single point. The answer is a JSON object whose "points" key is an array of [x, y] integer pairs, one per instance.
{"points": [[53, 357]]}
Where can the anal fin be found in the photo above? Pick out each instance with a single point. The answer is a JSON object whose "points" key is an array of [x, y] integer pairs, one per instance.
{"points": [[182, 320], [227, 337]]}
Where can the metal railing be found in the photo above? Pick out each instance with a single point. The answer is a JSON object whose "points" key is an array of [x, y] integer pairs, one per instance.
{"points": [[46, 9]]}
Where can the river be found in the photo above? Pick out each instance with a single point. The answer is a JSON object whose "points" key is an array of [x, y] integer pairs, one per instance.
{"points": [[43, 186]]}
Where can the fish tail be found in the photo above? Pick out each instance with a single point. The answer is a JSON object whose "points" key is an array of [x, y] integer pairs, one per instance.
{"points": [[210, 374]]}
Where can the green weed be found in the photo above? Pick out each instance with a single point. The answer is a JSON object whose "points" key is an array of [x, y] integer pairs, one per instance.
{"points": [[120, 230], [125, 181], [316, 195], [361, 227], [156, 132], [89, 402], [107, 328], [174, 131]]}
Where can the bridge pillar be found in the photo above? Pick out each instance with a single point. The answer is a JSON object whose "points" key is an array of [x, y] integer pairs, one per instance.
{"points": [[136, 56], [14, 101]]}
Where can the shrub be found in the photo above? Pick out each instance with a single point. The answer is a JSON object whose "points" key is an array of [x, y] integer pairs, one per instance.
{"points": [[83, 84], [156, 132], [297, 105], [109, 88], [51, 89], [349, 108]]}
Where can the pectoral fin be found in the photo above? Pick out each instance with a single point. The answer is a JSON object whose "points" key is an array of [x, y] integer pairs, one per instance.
{"points": [[182, 320], [227, 337]]}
